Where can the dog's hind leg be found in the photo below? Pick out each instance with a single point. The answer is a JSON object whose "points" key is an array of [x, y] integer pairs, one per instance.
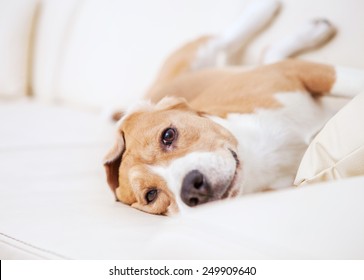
{"points": [[253, 19], [312, 35], [323, 80]]}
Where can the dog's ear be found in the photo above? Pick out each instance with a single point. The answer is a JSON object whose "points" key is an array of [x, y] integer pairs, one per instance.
{"points": [[170, 103], [112, 161], [176, 103]]}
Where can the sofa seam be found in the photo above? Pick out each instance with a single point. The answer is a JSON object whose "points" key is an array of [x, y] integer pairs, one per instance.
{"points": [[31, 246]]}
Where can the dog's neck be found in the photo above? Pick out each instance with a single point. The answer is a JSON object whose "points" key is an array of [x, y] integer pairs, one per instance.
{"points": [[264, 152]]}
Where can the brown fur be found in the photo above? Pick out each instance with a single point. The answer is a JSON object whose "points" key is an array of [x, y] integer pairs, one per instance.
{"points": [[219, 92], [142, 181]]}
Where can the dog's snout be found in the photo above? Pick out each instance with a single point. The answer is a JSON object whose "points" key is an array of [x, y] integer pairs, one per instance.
{"points": [[195, 189]]}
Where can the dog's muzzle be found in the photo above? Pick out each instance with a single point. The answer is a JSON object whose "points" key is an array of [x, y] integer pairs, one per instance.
{"points": [[195, 189]]}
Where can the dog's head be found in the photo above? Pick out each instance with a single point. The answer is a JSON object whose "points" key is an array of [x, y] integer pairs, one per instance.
{"points": [[167, 154]]}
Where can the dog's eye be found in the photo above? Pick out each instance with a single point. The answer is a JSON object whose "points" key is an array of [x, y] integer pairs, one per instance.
{"points": [[151, 195], [168, 136]]}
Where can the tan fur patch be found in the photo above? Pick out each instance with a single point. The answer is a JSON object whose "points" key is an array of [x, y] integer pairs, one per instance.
{"points": [[219, 92], [316, 78], [143, 180]]}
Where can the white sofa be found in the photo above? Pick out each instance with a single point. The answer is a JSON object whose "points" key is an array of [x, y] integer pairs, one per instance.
{"points": [[76, 59]]}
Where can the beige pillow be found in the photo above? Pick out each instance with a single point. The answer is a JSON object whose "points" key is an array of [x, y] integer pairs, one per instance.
{"points": [[16, 19], [338, 150]]}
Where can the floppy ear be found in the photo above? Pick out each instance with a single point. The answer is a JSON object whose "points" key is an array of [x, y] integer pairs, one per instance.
{"points": [[176, 103], [169, 103], [112, 162]]}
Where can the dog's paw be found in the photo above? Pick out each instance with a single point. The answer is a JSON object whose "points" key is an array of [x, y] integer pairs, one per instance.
{"points": [[316, 32]]}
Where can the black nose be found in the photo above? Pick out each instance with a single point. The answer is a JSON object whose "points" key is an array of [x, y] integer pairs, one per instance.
{"points": [[195, 189]]}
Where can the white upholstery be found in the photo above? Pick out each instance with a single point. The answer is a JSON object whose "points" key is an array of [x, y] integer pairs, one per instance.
{"points": [[53, 26], [54, 199]]}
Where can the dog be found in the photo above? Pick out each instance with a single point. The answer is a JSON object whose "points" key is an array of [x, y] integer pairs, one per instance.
{"points": [[207, 132]]}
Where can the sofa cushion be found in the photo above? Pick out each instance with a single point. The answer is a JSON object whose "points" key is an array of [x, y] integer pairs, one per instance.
{"points": [[337, 151]]}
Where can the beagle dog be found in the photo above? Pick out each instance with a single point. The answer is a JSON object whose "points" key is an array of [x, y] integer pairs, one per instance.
{"points": [[207, 131]]}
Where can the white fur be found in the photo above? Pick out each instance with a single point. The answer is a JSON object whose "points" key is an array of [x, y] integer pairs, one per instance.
{"points": [[271, 143]]}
